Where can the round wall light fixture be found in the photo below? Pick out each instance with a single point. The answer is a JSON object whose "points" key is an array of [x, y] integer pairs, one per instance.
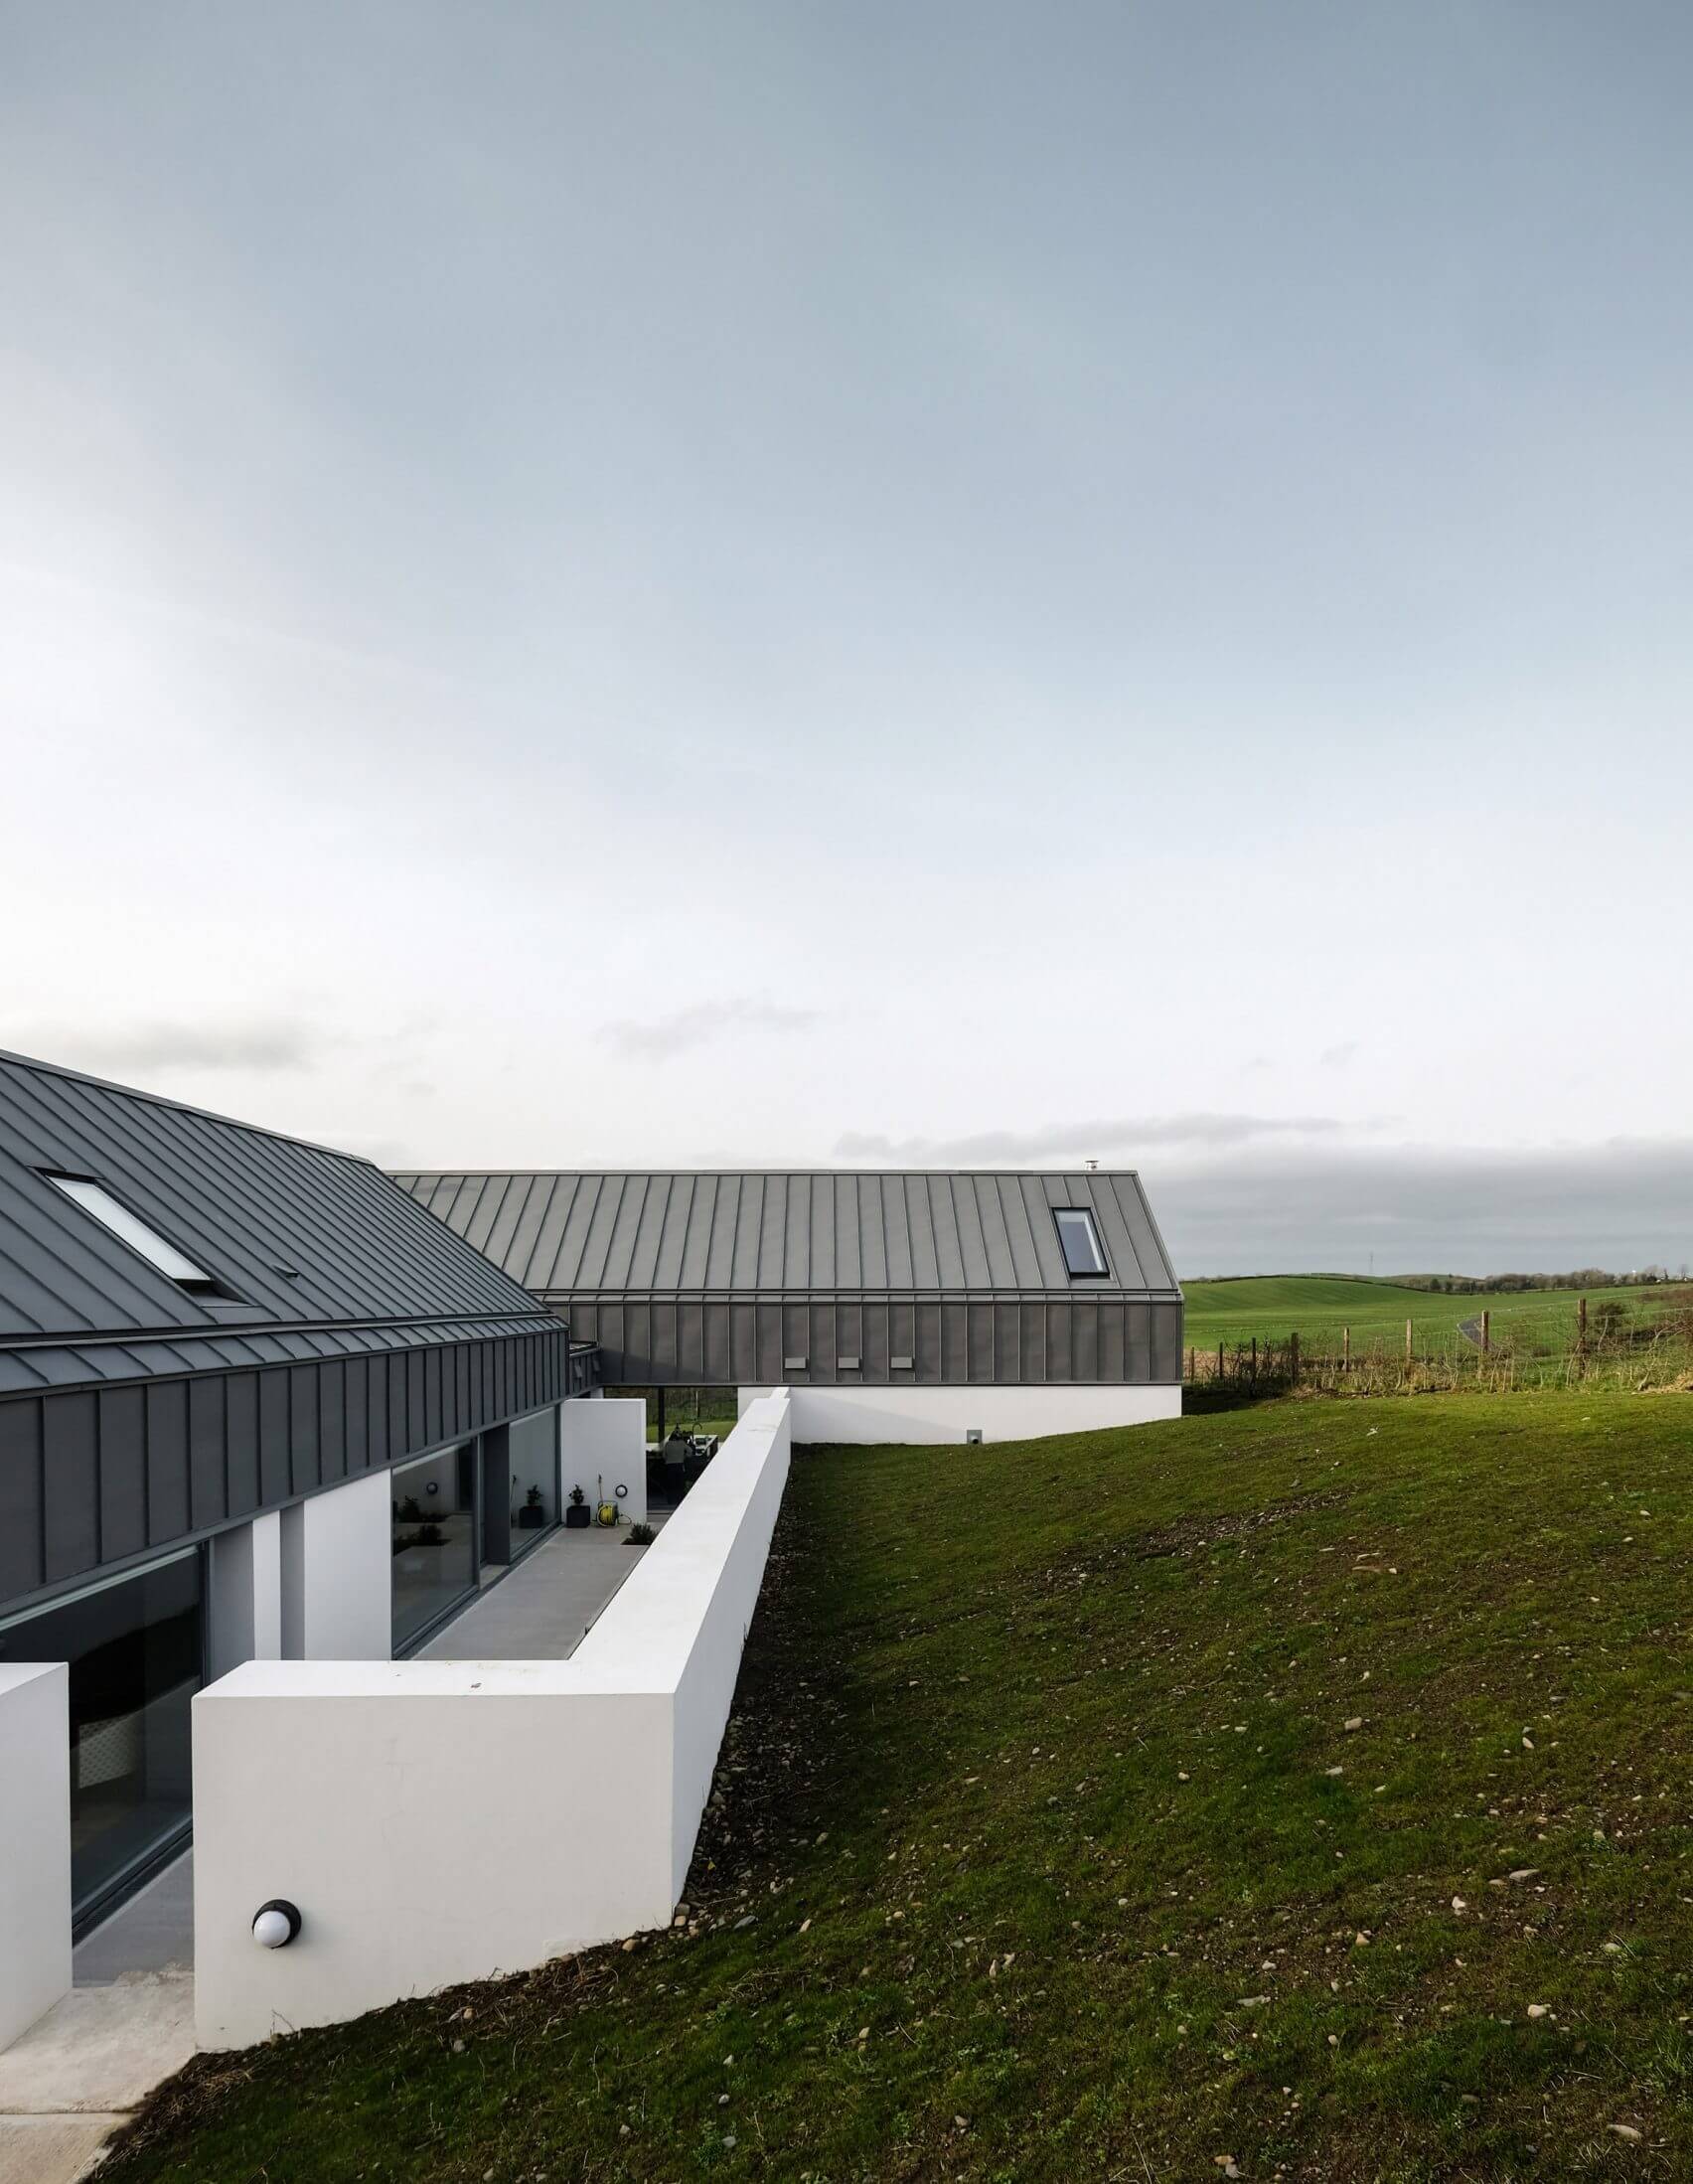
{"points": [[275, 1923]]}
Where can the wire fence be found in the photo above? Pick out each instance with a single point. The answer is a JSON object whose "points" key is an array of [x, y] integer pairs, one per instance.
{"points": [[1602, 1346]]}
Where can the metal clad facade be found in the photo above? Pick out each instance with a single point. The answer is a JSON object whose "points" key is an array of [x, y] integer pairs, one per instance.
{"points": [[91, 1478], [849, 1277]]}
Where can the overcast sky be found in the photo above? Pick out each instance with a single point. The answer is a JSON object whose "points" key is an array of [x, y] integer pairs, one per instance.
{"points": [[910, 582]]}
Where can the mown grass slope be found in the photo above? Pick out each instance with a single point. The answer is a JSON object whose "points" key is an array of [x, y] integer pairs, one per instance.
{"points": [[1304, 1787]]}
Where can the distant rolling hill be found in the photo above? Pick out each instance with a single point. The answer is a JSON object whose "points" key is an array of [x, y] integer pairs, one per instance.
{"points": [[1316, 1306]]}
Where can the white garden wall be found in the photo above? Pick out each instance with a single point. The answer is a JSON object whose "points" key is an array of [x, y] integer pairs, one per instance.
{"points": [[555, 1801], [607, 1441], [35, 1842], [920, 1415]]}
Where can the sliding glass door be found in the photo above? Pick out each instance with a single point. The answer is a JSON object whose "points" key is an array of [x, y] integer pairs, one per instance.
{"points": [[436, 1538], [533, 1455], [135, 1653]]}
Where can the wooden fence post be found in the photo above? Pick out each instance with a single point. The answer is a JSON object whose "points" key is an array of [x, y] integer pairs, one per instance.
{"points": [[1345, 1349], [1219, 1361], [1255, 1360], [1581, 1326], [1408, 1358], [1294, 1356], [1487, 1332], [1190, 1373]]}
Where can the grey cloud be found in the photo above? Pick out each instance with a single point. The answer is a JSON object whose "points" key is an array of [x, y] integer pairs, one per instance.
{"points": [[1622, 1203], [661, 1038], [1087, 1140], [154, 1043]]}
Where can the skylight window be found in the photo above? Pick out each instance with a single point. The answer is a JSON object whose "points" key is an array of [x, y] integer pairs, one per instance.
{"points": [[130, 1229], [1083, 1256]]}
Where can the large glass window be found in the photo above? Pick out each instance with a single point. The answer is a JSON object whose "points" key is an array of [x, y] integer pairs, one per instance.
{"points": [[134, 1650], [435, 1549], [534, 1478]]}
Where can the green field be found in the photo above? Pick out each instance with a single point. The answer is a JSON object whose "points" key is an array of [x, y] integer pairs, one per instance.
{"points": [[1302, 1788], [1316, 1306]]}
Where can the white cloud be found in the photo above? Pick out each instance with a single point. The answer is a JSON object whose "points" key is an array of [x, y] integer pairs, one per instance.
{"points": [[1099, 1140], [662, 1039]]}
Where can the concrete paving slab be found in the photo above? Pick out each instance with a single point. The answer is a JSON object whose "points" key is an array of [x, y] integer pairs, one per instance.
{"points": [[52, 2149], [102, 2049], [545, 1608], [154, 1929]]}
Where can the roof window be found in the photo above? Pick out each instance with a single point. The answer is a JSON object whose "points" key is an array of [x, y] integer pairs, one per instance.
{"points": [[1083, 1256], [130, 1229]]}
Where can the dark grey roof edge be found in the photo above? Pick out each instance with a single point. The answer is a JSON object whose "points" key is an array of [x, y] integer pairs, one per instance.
{"points": [[185, 1107], [834, 1169], [258, 1324], [70, 1368]]}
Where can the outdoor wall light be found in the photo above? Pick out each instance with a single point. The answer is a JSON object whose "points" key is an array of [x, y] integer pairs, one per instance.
{"points": [[275, 1923], [622, 1492]]}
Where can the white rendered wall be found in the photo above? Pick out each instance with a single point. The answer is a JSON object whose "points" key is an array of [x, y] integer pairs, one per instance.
{"points": [[561, 1798], [244, 1594], [337, 1572], [938, 1414], [35, 1842], [712, 1550], [607, 1440]]}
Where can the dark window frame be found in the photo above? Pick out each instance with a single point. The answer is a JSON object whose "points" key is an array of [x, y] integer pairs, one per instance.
{"points": [[1101, 1273], [204, 1287]]}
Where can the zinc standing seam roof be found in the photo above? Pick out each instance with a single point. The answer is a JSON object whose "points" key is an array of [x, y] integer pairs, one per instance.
{"points": [[566, 1232], [300, 1237]]}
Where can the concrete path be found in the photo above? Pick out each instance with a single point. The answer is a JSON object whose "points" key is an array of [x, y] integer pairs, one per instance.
{"points": [[545, 1606], [125, 2026]]}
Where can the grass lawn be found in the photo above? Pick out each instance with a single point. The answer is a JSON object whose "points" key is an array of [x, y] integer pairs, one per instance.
{"points": [[1316, 1306], [1304, 1786]]}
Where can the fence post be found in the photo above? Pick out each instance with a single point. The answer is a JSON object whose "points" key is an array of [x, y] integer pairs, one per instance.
{"points": [[1345, 1349], [1408, 1353], [1487, 1332], [1255, 1360], [1581, 1326], [1294, 1356], [1219, 1361], [1192, 1380]]}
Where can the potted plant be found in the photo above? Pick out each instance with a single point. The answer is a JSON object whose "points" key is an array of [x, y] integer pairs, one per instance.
{"points": [[640, 1536], [533, 1515], [576, 1513]]}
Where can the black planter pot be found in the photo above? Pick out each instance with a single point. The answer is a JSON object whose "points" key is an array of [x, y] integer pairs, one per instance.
{"points": [[576, 1521], [530, 1519]]}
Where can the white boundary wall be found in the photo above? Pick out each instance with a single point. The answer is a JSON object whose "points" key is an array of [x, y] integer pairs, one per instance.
{"points": [[933, 1415], [606, 1441], [35, 1842], [436, 1821]]}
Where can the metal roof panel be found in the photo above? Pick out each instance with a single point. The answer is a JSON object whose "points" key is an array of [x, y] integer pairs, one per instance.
{"points": [[299, 1235], [809, 1231]]}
